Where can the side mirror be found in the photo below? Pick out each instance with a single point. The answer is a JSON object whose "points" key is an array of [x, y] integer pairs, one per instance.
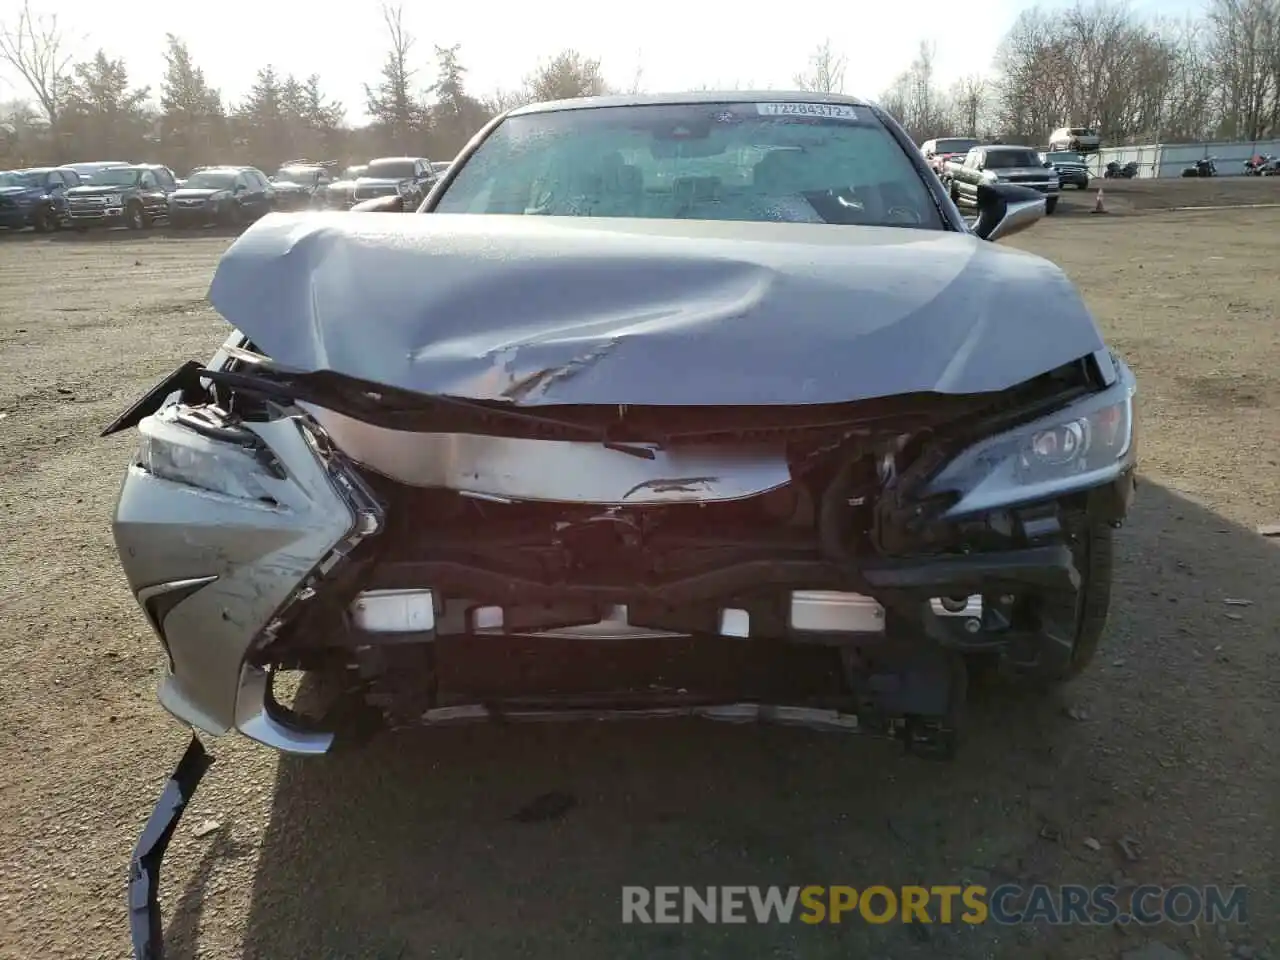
{"points": [[240, 188], [1005, 209], [1048, 165]]}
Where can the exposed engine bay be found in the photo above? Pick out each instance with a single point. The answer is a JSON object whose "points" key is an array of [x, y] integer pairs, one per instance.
{"points": [[599, 536]]}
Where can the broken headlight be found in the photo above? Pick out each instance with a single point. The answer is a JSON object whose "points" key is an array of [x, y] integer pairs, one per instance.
{"points": [[1083, 445], [171, 451]]}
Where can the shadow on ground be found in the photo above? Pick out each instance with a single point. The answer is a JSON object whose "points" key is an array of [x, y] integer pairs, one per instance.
{"points": [[408, 849]]}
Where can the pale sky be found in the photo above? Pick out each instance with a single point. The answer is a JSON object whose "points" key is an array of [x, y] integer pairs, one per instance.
{"points": [[676, 44]]}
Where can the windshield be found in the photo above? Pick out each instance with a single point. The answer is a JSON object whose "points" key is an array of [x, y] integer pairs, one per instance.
{"points": [[389, 169], [1005, 159], [955, 146], [1060, 157], [1081, 132], [121, 176], [14, 178], [788, 162], [211, 181], [297, 174]]}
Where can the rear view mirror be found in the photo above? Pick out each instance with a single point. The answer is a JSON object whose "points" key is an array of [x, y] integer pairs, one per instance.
{"points": [[1005, 209]]}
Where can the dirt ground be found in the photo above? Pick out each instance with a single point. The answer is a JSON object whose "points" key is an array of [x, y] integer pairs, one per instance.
{"points": [[408, 850]]}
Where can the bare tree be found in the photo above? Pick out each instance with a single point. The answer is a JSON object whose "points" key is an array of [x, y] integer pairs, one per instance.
{"points": [[637, 78], [500, 101], [969, 96], [36, 48], [566, 76], [826, 71], [913, 98], [1244, 36], [392, 103]]}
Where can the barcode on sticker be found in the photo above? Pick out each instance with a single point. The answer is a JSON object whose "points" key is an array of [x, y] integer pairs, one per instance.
{"points": [[837, 111]]}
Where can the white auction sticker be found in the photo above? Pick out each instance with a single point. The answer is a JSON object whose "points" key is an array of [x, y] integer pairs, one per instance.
{"points": [[836, 111]]}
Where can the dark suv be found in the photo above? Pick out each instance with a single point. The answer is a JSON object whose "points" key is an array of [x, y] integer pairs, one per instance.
{"points": [[35, 197], [134, 197], [222, 195]]}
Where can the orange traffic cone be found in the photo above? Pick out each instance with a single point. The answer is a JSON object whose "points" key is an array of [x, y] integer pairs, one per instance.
{"points": [[1098, 205]]}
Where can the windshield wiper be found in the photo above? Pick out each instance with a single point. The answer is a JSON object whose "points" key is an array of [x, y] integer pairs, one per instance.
{"points": [[296, 389]]}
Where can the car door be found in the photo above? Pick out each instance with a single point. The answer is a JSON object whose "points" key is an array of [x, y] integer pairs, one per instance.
{"points": [[421, 180], [968, 174], [268, 191], [168, 182], [56, 187], [255, 195], [242, 196]]}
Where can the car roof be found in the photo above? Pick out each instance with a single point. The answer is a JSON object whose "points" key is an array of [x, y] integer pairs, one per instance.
{"points": [[699, 96]]}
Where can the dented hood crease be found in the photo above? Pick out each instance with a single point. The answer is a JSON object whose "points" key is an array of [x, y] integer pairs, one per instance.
{"points": [[540, 310]]}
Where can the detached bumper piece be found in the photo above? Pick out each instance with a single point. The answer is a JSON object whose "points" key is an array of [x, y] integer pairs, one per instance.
{"points": [[145, 926]]}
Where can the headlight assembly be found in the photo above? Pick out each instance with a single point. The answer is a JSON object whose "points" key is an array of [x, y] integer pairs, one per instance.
{"points": [[112, 199], [1084, 445], [171, 451]]}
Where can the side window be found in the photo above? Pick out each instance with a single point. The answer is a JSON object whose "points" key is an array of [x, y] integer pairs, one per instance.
{"points": [[148, 180], [53, 179], [927, 148], [164, 176], [242, 182], [971, 158]]}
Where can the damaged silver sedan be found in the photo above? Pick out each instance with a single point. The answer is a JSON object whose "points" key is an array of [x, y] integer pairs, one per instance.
{"points": [[642, 374]]}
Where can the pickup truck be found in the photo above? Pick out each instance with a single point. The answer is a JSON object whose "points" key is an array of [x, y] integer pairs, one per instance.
{"points": [[135, 197], [944, 150], [997, 163]]}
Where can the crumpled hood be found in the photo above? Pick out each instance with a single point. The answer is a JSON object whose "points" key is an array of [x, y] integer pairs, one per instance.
{"points": [[567, 310]]}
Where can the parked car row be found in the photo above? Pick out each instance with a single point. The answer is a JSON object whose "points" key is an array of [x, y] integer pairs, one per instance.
{"points": [[137, 195], [402, 180]]}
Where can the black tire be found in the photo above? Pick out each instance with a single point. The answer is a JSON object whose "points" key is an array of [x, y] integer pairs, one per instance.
{"points": [[45, 220], [1082, 616], [1095, 557], [135, 218], [1050, 205]]}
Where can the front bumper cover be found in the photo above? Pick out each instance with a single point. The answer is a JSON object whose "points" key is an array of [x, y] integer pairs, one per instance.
{"points": [[145, 925]]}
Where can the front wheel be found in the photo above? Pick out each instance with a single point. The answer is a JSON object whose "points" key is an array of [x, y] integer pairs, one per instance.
{"points": [[1050, 205], [1075, 622], [134, 218]]}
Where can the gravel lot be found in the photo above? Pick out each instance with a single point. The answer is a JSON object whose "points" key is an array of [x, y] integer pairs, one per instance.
{"points": [[407, 850]]}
